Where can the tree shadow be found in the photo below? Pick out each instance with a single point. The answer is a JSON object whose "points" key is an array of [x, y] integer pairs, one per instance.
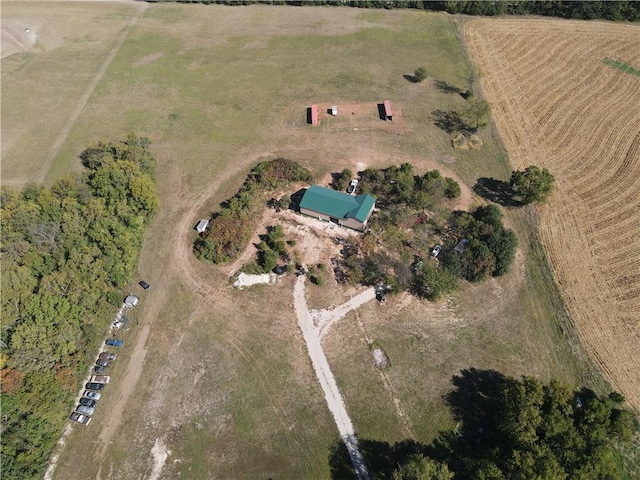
{"points": [[448, 88], [410, 78], [497, 191], [381, 458], [449, 121]]}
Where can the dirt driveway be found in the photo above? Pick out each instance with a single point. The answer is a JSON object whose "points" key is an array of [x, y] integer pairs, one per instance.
{"points": [[312, 337]]}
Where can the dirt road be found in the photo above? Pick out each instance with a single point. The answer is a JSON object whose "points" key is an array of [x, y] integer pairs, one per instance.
{"points": [[327, 381]]}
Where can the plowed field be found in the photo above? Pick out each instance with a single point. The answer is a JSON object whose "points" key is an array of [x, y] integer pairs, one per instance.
{"points": [[558, 105]]}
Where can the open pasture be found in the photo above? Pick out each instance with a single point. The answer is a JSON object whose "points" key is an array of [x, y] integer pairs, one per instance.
{"points": [[51, 55], [218, 383], [558, 105]]}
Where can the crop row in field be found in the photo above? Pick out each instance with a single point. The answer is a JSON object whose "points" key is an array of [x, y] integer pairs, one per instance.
{"points": [[557, 105]]}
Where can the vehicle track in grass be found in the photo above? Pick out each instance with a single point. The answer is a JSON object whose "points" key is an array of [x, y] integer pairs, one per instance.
{"points": [[84, 99]]}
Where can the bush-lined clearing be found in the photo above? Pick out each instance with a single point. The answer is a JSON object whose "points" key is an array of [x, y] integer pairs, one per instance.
{"points": [[569, 112], [224, 381]]}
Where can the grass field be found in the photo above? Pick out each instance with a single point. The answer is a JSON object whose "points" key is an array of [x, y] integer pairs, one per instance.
{"points": [[568, 111], [223, 385]]}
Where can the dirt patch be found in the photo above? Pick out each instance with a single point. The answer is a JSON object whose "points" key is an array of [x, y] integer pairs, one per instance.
{"points": [[245, 280], [379, 358], [147, 59], [557, 105], [19, 35], [359, 117], [159, 456]]}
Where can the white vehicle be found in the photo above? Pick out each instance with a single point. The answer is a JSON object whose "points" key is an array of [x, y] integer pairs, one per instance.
{"points": [[353, 184], [436, 250], [92, 395]]}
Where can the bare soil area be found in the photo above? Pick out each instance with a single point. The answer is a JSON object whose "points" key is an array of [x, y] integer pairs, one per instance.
{"points": [[360, 117], [557, 105]]}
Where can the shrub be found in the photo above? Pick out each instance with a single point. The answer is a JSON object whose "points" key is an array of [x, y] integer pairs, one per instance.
{"points": [[420, 74]]}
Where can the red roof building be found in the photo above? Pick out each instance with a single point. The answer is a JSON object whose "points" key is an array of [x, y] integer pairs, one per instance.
{"points": [[388, 114], [314, 114]]}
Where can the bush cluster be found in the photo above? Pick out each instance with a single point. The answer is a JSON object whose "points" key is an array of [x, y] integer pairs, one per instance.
{"points": [[401, 186], [231, 227], [490, 249]]}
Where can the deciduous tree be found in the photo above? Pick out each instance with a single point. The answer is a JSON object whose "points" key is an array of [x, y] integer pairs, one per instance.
{"points": [[532, 184]]}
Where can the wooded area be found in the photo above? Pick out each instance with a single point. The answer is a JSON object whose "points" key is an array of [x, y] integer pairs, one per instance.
{"points": [[510, 428], [414, 214], [67, 253]]}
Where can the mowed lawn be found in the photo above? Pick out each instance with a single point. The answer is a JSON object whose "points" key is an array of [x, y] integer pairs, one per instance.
{"points": [[227, 388]]}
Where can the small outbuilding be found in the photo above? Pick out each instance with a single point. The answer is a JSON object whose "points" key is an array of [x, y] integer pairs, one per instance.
{"points": [[337, 207], [461, 245], [202, 225], [388, 114], [334, 110], [314, 114], [131, 300]]}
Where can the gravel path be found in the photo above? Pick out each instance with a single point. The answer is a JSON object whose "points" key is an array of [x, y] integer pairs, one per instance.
{"points": [[327, 381]]}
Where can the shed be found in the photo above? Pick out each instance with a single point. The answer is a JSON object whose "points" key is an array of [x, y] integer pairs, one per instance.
{"points": [[131, 300], [388, 114], [334, 110], [202, 225], [460, 246], [337, 207], [314, 114]]}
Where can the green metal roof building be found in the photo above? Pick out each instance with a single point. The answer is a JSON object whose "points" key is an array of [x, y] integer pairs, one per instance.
{"points": [[337, 207]]}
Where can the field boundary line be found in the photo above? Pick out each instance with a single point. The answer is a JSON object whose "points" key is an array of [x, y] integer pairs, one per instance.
{"points": [[84, 99]]}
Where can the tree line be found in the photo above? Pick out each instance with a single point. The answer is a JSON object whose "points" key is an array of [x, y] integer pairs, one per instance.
{"points": [[509, 428], [620, 10], [67, 253]]}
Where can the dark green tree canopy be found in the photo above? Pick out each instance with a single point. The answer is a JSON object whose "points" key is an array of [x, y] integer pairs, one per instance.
{"points": [[524, 429], [511, 429], [532, 184]]}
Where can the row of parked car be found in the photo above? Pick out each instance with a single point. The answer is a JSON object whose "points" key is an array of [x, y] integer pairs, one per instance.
{"points": [[87, 404]]}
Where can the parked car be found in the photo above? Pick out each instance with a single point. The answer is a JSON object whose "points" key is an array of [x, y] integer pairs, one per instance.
{"points": [[92, 395], [87, 402], [436, 250], [103, 363], [353, 184], [94, 386], [80, 418], [99, 370], [85, 410], [113, 342], [107, 356], [144, 285], [100, 378]]}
